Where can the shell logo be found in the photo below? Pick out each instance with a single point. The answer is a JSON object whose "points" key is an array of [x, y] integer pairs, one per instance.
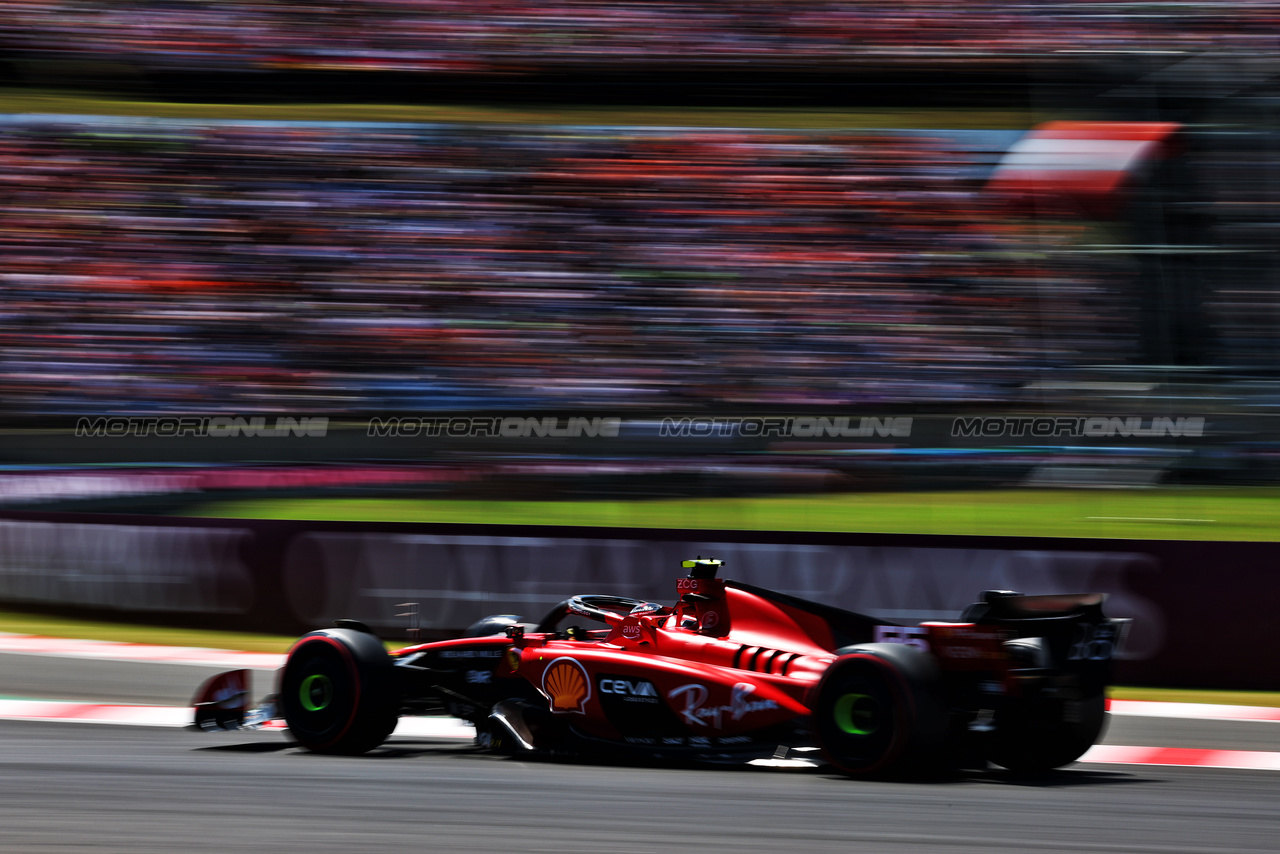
{"points": [[565, 681]]}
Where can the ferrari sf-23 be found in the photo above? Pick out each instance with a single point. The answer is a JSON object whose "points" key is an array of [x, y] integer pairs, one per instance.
{"points": [[730, 672]]}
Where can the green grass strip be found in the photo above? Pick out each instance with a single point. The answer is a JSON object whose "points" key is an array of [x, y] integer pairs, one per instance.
{"points": [[1179, 695], [1167, 514], [22, 623], [52, 101]]}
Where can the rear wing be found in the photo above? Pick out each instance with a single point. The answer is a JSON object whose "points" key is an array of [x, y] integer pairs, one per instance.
{"points": [[997, 606], [1068, 632]]}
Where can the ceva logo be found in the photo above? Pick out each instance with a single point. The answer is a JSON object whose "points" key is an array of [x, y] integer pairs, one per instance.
{"points": [[641, 689], [565, 682]]}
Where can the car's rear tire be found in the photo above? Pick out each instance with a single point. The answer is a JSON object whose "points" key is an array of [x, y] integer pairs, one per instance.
{"points": [[877, 712], [1040, 735], [338, 692]]}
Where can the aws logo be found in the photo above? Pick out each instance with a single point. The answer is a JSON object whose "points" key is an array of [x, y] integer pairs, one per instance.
{"points": [[566, 683]]}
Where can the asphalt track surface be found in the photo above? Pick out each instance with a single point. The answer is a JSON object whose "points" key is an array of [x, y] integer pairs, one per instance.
{"points": [[86, 787]]}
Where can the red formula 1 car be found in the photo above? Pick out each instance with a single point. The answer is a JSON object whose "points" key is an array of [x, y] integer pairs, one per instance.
{"points": [[731, 671]]}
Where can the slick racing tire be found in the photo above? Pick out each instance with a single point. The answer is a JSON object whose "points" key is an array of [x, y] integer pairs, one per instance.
{"points": [[338, 692], [1040, 735], [878, 712]]}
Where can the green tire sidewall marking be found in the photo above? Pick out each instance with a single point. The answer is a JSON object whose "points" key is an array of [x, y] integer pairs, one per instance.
{"points": [[855, 714], [316, 682]]}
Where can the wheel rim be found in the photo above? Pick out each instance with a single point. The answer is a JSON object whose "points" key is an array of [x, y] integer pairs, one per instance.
{"points": [[857, 714], [858, 724], [316, 692], [319, 692]]}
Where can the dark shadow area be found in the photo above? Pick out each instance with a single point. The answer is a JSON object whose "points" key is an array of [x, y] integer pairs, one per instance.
{"points": [[249, 747], [413, 749], [1062, 778]]}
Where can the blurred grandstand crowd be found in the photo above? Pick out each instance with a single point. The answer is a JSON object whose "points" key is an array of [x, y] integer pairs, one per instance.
{"points": [[157, 265], [505, 35]]}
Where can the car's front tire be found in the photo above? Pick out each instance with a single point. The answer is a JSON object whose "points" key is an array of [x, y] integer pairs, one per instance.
{"points": [[338, 692]]}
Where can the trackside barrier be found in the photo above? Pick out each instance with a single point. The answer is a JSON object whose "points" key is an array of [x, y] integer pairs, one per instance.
{"points": [[1203, 612]]}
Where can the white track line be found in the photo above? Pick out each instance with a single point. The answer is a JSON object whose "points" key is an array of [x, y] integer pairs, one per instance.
{"points": [[116, 651], [180, 715], [1193, 711], [65, 711], [1255, 760], [94, 713], [438, 727]]}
